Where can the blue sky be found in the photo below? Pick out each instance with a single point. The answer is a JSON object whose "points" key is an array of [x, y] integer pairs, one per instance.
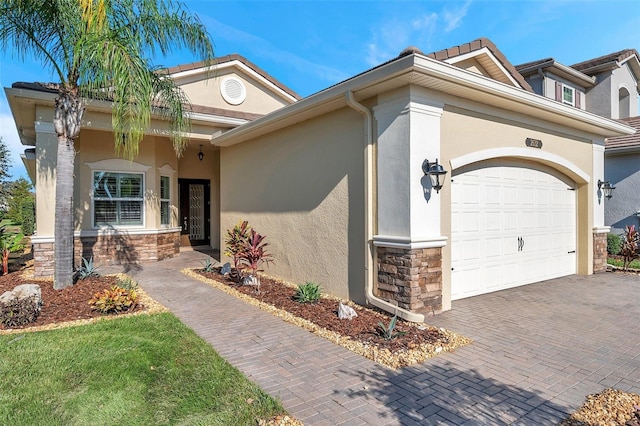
{"points": [[310, 45]]}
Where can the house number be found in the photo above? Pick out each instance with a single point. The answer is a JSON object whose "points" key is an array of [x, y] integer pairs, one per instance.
{"points": [[533, 143]]}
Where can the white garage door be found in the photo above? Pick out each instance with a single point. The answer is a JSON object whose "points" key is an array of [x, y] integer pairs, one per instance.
{"points": [[512, 224]]}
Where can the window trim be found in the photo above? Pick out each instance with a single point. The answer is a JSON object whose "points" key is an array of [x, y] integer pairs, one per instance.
{"points": [[165, 200], [142, 199], [573, 95]]}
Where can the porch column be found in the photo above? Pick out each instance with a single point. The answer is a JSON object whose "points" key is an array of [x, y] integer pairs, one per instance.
{"points": [[408, 238]]}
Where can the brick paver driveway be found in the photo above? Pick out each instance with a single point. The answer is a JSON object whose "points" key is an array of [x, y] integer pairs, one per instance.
{"points": [[538, 351]]}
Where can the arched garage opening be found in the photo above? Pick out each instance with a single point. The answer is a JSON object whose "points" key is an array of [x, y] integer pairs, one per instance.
{"points": [[514, 221]]}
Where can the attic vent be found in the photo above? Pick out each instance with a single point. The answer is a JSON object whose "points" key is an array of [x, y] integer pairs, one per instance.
{"points": [[233, 91]]}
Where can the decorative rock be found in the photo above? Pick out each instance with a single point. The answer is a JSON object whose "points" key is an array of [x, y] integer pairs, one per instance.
{"points": [[21, 305], [226, 268], [250, 280], [346, 312]]}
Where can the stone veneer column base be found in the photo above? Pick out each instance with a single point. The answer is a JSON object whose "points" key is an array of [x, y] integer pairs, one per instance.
{"points": [[599, 252], [112, 249], [411, 278]]}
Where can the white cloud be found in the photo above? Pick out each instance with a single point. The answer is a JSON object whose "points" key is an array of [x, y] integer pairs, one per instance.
{"points": [[260, 48], [453, 18]]}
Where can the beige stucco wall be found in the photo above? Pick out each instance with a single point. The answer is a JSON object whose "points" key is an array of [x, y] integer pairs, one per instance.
{"points": [[464, 132], [207, 92], [303, 188]]}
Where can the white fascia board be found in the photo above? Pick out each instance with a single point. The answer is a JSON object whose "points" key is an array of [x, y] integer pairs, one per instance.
{"points": [[483, 51], [244, 68], [216, 119]]}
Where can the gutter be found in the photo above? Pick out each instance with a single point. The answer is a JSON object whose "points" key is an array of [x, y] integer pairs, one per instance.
{"points": [[368, 217]]}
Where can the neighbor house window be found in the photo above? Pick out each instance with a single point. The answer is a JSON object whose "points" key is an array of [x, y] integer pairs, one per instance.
{"points": [[568, 95], [117, 198], [165, 200]]}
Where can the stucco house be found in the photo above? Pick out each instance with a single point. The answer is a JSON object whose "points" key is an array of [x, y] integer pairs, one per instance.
{"points": [[608, 86], [341, 182], [130, 212]]}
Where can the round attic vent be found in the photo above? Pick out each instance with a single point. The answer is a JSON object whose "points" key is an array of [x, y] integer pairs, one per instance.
{"points": [[233, 91]]}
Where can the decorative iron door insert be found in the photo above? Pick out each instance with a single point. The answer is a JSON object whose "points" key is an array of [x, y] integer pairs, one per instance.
{"points": [[195, 212]]}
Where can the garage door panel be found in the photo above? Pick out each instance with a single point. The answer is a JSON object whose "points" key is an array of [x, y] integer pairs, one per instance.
{"points": [[506, 203]]}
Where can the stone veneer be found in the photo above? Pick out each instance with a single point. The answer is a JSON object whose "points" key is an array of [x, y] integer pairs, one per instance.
{"points": [[411, 278], [110, 249], [599, 252]]}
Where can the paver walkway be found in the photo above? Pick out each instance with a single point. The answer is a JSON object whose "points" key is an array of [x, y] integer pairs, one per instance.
{"points": [[538, 351]]}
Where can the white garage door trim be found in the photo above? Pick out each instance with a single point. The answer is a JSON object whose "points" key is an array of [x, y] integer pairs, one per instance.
{"points": [[513, 223]]}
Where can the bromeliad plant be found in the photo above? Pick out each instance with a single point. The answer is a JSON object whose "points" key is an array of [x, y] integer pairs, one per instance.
{"points": [[387, 332], [253, 256], [114, 300], [307, 293], [86, 270]]}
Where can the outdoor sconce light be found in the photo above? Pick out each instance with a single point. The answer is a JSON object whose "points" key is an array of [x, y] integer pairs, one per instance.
{"points": [[200, 154], [434, 171], [606, 188]]}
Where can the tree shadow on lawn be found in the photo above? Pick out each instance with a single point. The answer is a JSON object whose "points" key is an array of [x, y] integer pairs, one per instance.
{"points": [[442, 393]]}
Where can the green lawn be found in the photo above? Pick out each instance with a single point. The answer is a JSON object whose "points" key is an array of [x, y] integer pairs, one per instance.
{"points": [[634, 264], [144, 370]]}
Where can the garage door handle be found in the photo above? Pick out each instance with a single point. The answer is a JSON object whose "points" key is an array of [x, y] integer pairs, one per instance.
{"points": [[572, 251], [520, 243]]}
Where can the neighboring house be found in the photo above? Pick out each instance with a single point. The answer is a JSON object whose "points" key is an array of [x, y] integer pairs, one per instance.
{"points": [[336, 182], [607, 86], [128, 212], [622, 169]]}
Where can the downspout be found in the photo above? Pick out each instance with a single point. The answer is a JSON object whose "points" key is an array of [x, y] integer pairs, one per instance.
{"points": [[368, 217], [543, 84]]}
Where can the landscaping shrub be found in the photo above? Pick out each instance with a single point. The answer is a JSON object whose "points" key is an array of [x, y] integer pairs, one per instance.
{"points": [[19, 311], [28, 216], [236, 241], [114, 300], [307, 293], [629, 250], [387, 332], [614, 243], [86, 269], [253, 255]]}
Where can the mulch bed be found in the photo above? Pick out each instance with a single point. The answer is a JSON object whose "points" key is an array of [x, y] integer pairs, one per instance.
{"points": [[418, 342], [70, 304]]}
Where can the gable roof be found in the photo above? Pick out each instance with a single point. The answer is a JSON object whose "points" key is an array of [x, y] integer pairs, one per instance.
{"points": [[229, 59], [467, 49], [555, 67], [626, 142], [612, 60]]}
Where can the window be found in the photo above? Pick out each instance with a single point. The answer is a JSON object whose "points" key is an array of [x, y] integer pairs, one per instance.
{"points": [[568, 95], [117, 198], [165, 200]]}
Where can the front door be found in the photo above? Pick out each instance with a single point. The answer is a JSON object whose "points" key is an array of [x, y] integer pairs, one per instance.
{"points": [[195, 212]]}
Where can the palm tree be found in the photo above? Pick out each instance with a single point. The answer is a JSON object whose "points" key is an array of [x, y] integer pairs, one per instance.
{"points": [[98, 49]]}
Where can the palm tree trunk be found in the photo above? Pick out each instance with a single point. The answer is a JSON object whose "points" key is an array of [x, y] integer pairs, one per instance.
{"points": [[67, 119], [64, 219]]}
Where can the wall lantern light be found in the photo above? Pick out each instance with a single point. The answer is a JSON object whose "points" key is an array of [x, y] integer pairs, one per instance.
{"points": [[434, 171], [606, 187], [200, 154]]}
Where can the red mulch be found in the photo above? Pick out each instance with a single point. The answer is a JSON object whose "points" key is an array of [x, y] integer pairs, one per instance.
{"points": [[68, 304], [324, 313]]}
